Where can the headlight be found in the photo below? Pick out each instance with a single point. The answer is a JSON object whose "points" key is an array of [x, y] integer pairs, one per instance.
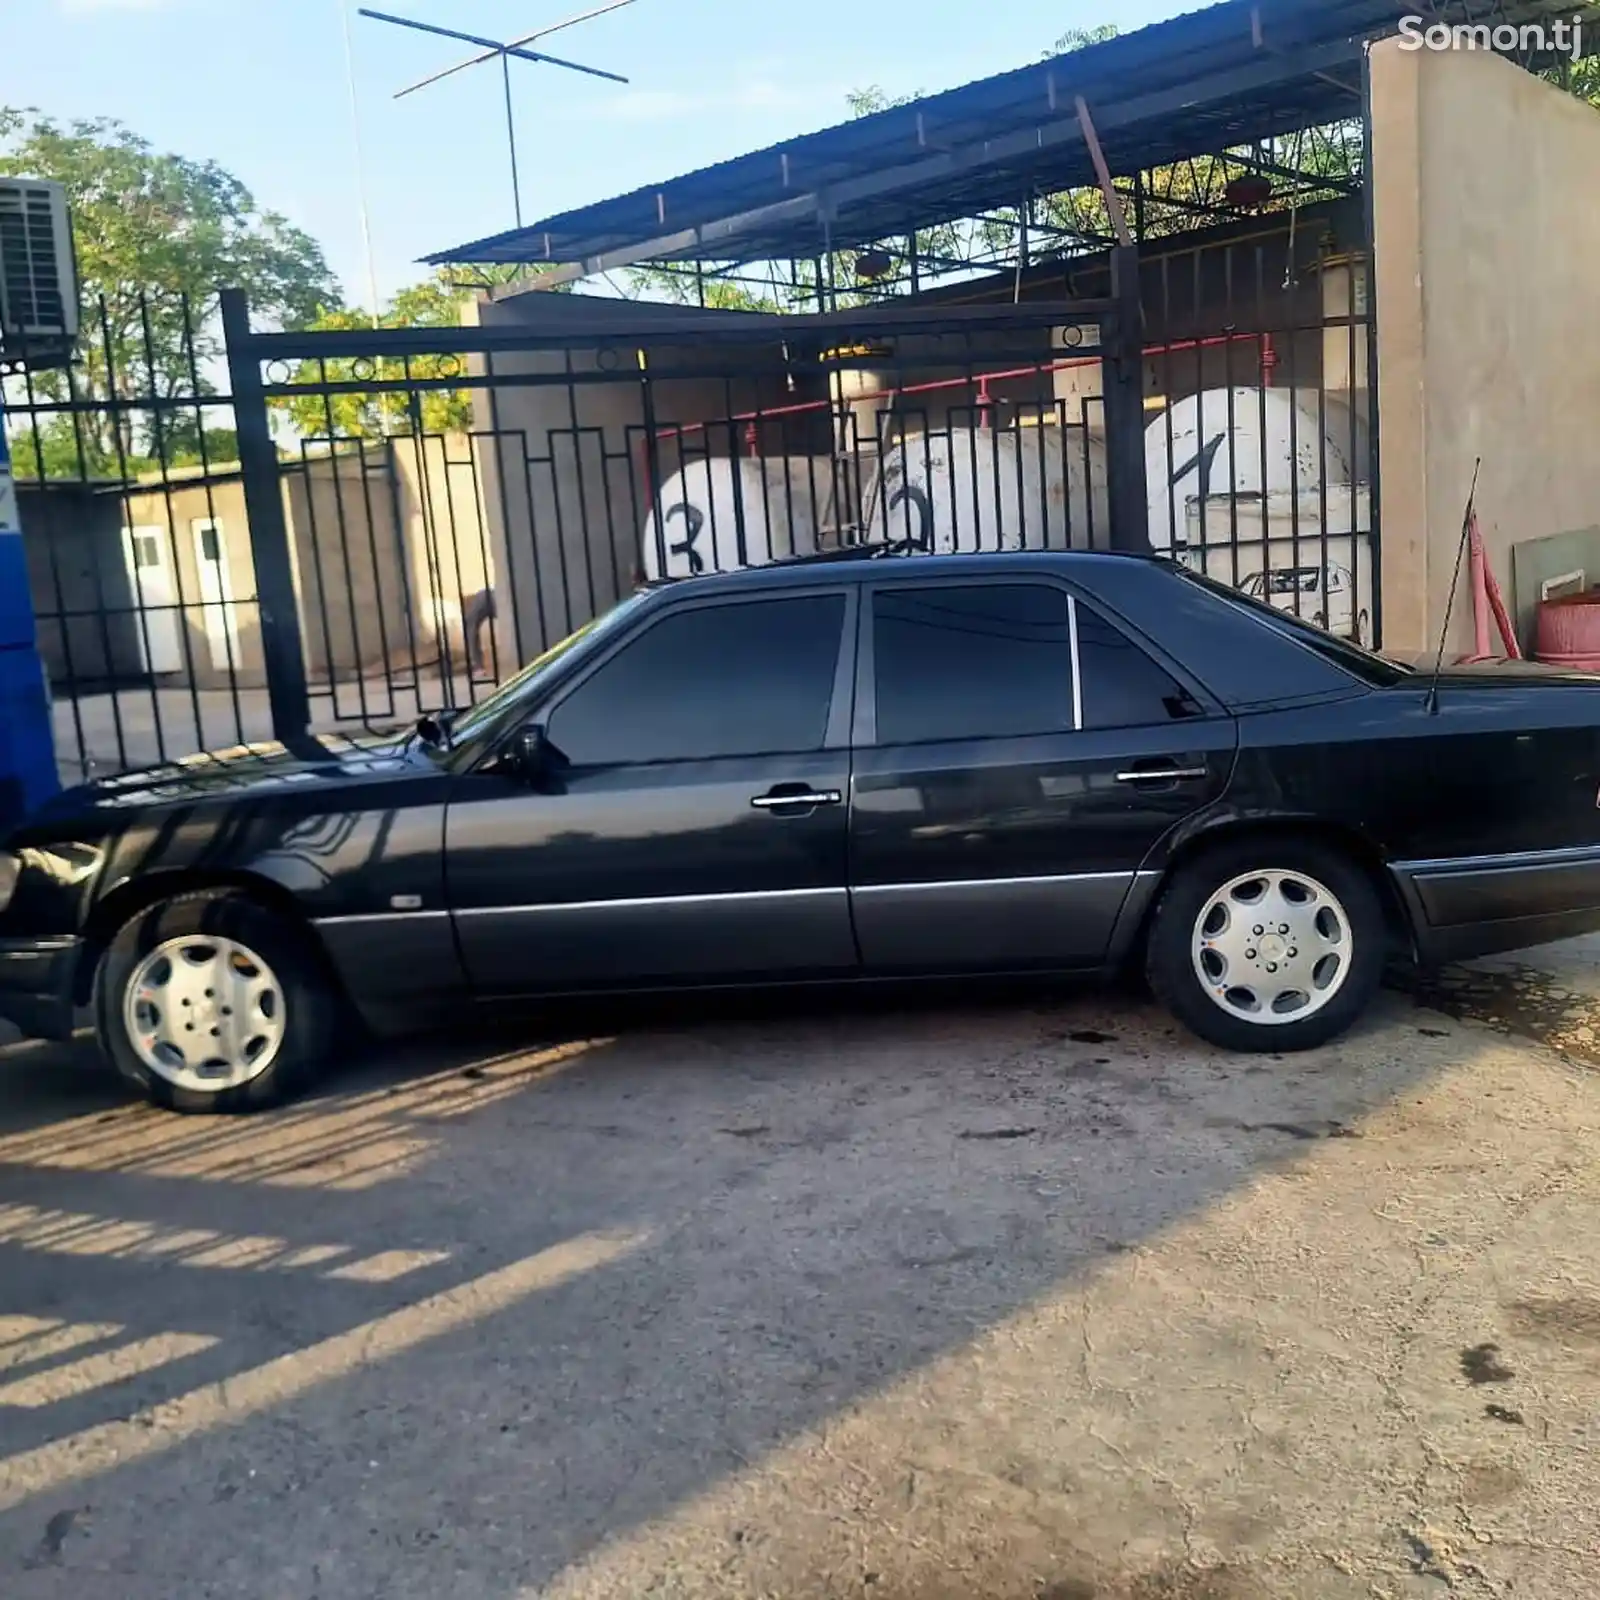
{"points": [[10, 871]]}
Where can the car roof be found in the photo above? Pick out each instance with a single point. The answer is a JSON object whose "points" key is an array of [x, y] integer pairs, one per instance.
{"points": [[860, 563]]}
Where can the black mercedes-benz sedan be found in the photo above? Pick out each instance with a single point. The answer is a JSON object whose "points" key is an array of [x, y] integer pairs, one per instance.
{"points": [[827, 771]]}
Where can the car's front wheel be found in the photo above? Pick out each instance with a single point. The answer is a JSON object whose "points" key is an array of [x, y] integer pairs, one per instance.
{"points": [[1274, 944], [211, 1002]]}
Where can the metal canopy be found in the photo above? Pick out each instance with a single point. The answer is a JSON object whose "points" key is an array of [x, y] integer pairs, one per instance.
{"points": [[1235, 73]]}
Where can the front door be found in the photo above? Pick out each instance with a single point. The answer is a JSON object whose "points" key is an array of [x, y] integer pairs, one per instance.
{"points": [[218, 612], [157, 618], [692, 827], [1018, 758]]}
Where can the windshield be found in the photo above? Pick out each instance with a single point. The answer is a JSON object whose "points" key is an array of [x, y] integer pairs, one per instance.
{"points": [[475, 719], [1377, 670]]}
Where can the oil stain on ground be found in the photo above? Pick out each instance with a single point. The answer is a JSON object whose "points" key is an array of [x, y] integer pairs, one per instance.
{"points": [[1521, 1001], [1482, 1364]]}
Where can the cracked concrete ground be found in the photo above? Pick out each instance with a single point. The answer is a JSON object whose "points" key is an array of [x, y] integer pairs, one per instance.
{"points": [[1009, 1298]]}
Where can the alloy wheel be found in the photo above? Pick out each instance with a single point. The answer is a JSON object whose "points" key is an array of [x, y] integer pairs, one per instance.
{"points": [[1272, 947], [205, 1013]]}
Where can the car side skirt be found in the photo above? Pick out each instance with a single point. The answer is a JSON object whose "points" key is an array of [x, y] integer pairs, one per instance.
{"points": [[1477, 905]]}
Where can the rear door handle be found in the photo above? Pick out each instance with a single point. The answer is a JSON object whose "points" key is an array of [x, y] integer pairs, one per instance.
{"points": [[1164, 775], [802, 797]]}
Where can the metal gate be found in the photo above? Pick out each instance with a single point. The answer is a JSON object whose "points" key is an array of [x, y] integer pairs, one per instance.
{"points": [[313, 531]]}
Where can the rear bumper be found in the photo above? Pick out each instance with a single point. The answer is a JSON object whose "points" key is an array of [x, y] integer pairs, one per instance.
{"points": [[1480, 905], [37, 985]]}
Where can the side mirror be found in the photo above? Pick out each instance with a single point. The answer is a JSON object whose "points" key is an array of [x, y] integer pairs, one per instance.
{"points": [[528, 753]]}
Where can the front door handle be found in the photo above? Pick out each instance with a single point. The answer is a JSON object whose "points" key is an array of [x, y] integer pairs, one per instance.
{"points": [[783, 797], [1172, 774]]}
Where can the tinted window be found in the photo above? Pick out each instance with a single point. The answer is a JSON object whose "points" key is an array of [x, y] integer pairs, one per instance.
{"points": [[1122, 686], [1361, 663], [986, 661], [732, 680]]}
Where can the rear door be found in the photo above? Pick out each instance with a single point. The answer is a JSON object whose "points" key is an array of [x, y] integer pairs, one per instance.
{"points": [[692, 826], [1018, 758]]}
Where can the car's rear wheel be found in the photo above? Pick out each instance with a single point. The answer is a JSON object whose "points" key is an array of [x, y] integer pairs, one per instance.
{"points": [[1269, 944], [211, 1002]]}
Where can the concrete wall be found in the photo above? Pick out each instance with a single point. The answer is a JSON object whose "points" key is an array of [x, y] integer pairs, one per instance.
{"points": [[390, 543], [1486, 236], [354, 609], [444, 539], [82, 599]]}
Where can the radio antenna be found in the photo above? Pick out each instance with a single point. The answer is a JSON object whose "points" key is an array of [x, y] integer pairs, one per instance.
{"points": [[502, 51], [1431, 704]]}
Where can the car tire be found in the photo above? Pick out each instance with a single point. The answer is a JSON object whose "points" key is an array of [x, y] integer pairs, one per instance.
{"points": [[244, 974], [1222, 990]]}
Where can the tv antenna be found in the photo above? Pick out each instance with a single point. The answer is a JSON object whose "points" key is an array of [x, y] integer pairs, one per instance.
{"points": [[503, 51]]}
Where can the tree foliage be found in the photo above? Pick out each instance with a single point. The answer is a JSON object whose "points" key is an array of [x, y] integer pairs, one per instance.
{"points": [[156, 235], [436, 302]]}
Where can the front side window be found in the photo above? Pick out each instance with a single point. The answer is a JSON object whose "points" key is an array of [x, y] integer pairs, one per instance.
{"points": [[713, 681], [978, 661]]}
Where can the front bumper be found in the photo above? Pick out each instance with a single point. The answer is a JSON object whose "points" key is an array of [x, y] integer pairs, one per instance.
{"points": [[38, 979]]}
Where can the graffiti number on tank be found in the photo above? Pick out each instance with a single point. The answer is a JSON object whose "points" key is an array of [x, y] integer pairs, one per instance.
{"points": [[693, 522], [923, 538]]}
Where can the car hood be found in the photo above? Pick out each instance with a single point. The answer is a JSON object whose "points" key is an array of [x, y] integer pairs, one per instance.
{"points": [[318, 760]]}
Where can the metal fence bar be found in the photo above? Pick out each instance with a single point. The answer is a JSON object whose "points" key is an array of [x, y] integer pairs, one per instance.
{"points": [[282, 646]]}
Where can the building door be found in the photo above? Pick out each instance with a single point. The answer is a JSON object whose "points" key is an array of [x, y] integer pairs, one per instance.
{"points": [[157, 617], [219, 614]]}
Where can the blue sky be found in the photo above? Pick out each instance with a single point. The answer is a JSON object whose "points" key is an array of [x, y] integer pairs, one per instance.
{"points": [[260, 86]]}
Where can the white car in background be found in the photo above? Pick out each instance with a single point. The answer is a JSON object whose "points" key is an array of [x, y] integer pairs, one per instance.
{"points": [[1324, 596]]}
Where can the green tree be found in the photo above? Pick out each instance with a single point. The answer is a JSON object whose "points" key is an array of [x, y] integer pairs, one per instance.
{"points": [[156, 235], [686, 289], [436, 302], [1081, 39]]}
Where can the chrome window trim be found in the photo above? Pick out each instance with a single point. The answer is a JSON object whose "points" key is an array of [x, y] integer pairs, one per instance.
{"points": [[1077, 663]]}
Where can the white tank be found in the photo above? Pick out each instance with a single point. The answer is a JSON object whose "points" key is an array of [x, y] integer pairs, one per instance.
{"points": [[718, 515], [1242, 444], [1012, 489]]}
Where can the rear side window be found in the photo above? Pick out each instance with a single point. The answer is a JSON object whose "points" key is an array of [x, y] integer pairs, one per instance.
{"points": [[979, 661], [714, 681], [1122, 686]]}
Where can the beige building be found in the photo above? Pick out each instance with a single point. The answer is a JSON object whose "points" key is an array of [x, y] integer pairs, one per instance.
{"points": [[1486, 234], [156, 580]]}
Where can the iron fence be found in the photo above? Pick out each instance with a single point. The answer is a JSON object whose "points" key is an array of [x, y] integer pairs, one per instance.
{"points": [[134, 532], [236, 534], [1261, 444]]}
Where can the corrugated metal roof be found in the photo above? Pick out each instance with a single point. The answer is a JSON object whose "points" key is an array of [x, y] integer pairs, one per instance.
{"points": [[1233, 73]]}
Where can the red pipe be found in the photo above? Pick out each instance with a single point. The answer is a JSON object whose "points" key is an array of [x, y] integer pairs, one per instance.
{"points": [[983, 379]]}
